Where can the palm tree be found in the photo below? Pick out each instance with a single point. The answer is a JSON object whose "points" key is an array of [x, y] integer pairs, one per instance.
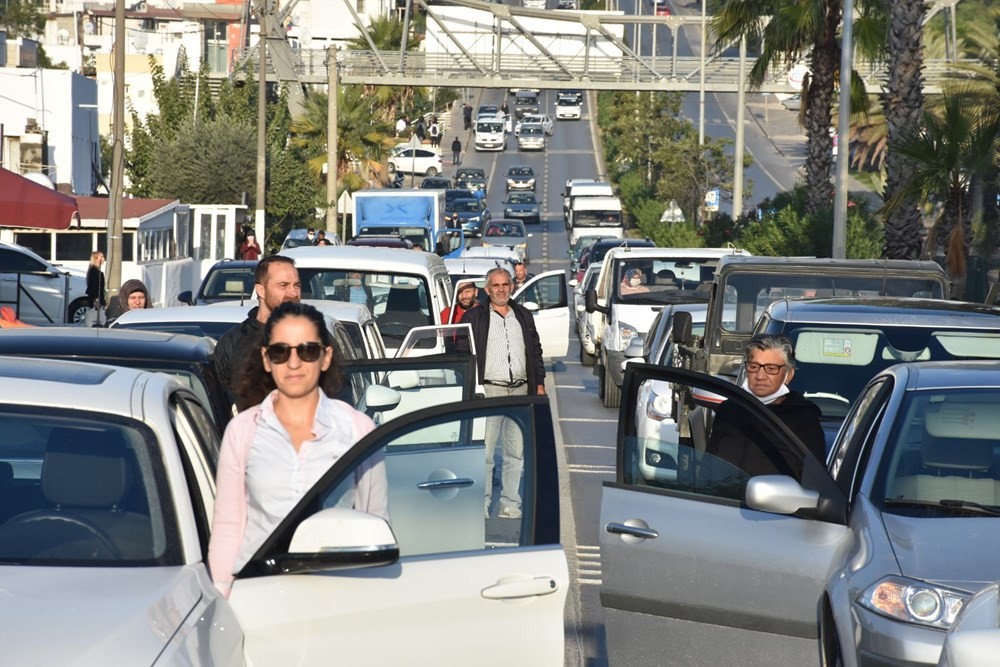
{"points": [[902, 105], [361, 142], [948, 158], [388, 102], [797, 28]]}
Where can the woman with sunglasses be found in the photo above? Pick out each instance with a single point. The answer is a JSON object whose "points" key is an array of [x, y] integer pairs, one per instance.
{"points": [[769, 362], [275, 451]]}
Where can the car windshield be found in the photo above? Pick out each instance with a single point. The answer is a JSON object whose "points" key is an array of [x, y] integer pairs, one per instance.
{"points": [[582, 243], [83, 490], [650, 281], [519, 172], [567, 101], [213, 330], [521, 198], [471, 173], [532, 129], [495, 126], [505, 229], [597, 218], [600, 250], [466, 206], [939, 458], [229, 284], [486, 109], [754, 292], [525, 98], [833, 363], [398, 301]]}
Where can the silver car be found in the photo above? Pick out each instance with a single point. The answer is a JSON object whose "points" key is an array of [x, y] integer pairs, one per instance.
{"points": [[865, 560]]}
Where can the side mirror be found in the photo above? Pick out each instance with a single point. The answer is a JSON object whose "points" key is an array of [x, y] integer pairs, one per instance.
{"points": [[779, 494], [573, 282], [531, 236], [381, 399], [681, 331], [590, 300], [339, 538], [636, 348], [531, 306], [580, 308], [186, 297]]}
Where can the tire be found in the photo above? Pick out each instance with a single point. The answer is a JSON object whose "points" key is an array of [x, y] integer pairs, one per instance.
{"points": [[612, 392], [77, 311], [600, 379], [431, 171], [585, 358]]}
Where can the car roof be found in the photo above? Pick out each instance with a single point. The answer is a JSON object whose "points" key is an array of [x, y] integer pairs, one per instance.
{"points": [[745, 261], [885, 311], [79, 342], [394, 260], [56, 383], [236, 312], [238, 263], [667, 253], [474, 266], [927, 375]]}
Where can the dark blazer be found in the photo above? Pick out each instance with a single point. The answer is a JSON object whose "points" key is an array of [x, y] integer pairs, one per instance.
{"points": [[479, 320]]}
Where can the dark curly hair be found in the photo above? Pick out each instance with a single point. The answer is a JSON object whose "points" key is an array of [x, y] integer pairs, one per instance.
{"points": [[256, 383]]}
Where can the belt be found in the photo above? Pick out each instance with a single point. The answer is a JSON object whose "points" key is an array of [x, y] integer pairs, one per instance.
{"points": [[509, 385]]}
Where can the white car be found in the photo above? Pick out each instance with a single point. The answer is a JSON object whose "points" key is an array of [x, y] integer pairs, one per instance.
{"points": [[543, 119], [585, 322], [974, 638], [531, 138], [109, 495], [39, 291], [416, 161]]}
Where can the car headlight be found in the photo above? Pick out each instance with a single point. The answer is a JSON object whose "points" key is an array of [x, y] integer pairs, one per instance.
{"points": [[534, 209], [626, 332], [913, 601], [522, 246], [531, 181], [510, 181], [659, 407]]}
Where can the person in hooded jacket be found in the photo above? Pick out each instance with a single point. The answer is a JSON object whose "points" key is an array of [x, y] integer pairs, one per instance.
{"points": [[770, 366], [132, 296]]}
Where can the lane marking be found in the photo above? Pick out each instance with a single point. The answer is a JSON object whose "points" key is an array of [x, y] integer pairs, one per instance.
{"points": [[589, 582], [569, 386], [588, 420], [612, 447]]}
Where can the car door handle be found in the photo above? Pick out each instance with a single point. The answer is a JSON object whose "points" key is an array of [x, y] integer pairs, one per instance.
{"points": [[616, 528], [457, 483], [512, 588]]}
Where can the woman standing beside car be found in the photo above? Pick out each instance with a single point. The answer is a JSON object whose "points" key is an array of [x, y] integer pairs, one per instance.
{"points": [[275, 451], [96, 298]]}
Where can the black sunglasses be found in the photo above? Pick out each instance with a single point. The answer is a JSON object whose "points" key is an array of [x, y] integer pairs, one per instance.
{"points": [[278, 353]]}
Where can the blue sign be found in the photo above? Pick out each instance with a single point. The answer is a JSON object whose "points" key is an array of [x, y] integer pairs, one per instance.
{"points": [[712, 200]]}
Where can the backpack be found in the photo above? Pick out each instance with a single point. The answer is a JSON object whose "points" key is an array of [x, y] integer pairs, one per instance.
{"points": [[434, 130]]}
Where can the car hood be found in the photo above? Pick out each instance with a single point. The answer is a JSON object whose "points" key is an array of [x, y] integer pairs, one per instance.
{"points": [[93, 616], [639, 316], [956, 552]]}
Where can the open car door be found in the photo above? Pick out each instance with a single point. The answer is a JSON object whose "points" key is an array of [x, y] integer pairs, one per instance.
{"points": [[705, 564], [546, 297], [438, 339], [412, 572], [450, 243]]}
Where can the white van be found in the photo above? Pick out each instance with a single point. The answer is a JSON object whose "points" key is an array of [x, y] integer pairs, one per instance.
{"points": [[491, 133], [595, 216], [583, 187], [402, 288], [667, 276]]}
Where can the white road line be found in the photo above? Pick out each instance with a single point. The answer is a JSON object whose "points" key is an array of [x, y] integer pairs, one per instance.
{"points": [[591, 469], [590, 446], [569, 386], [588, 420], [580, 573], [589, 582], [588, 547]]}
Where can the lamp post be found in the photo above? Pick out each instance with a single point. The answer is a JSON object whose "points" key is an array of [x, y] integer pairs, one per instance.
{"points": [[115, 204], [843, 129]]}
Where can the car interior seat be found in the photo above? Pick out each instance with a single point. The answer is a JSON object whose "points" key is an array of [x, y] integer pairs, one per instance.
{"points": [[951, 468], [86, 476], [403, 306]]}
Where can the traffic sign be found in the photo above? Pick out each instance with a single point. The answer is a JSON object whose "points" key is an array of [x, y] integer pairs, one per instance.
{"points": [[712, 200]]}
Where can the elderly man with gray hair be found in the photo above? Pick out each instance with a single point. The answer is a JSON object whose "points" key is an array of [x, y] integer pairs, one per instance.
{"points": [[770, 365]]}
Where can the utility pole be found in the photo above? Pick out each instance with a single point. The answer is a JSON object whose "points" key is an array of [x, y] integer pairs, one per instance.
{"points": [[331, 145], [741, 105], [263, 9], [843, 130], [115, 217]]}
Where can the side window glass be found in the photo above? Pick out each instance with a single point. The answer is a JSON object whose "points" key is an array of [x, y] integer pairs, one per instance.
{"points": [[721, 446], [548, 292], [460, 484], [859, 422]]}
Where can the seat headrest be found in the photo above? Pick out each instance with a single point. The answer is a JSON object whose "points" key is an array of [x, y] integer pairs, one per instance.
{"points": [[957, 453], [85, 468], [6, 476]]}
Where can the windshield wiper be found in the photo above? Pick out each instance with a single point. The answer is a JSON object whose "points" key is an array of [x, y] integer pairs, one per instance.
{"points": [[991, 510]]}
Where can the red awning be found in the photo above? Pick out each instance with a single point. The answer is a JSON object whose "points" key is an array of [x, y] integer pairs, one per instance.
{"points": [[24, 203]]}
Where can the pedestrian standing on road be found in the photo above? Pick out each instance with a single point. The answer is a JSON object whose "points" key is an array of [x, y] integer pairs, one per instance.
{"points": [[467, 115], [435, 134], [401, 125], [96, 296], [420, 130], [504, 109], [250, 249], [276, 280], [132, 296], [274, 452], [510, 364], [521, 275], [456, 152]]}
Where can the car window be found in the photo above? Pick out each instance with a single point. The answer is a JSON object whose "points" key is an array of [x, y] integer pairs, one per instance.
{"points": [[84, 491], [860, 422], [436, 512], [13, 261], [548, 292]]}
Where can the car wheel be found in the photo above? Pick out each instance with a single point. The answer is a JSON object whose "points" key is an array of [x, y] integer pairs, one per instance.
{"points": [[600, 378], [612, 392], [77, 311], [585, 358], [830, 640], [431, 171]]}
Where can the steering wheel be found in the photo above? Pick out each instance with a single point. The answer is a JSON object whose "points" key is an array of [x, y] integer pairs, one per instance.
{"points": [[69, 525]]}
